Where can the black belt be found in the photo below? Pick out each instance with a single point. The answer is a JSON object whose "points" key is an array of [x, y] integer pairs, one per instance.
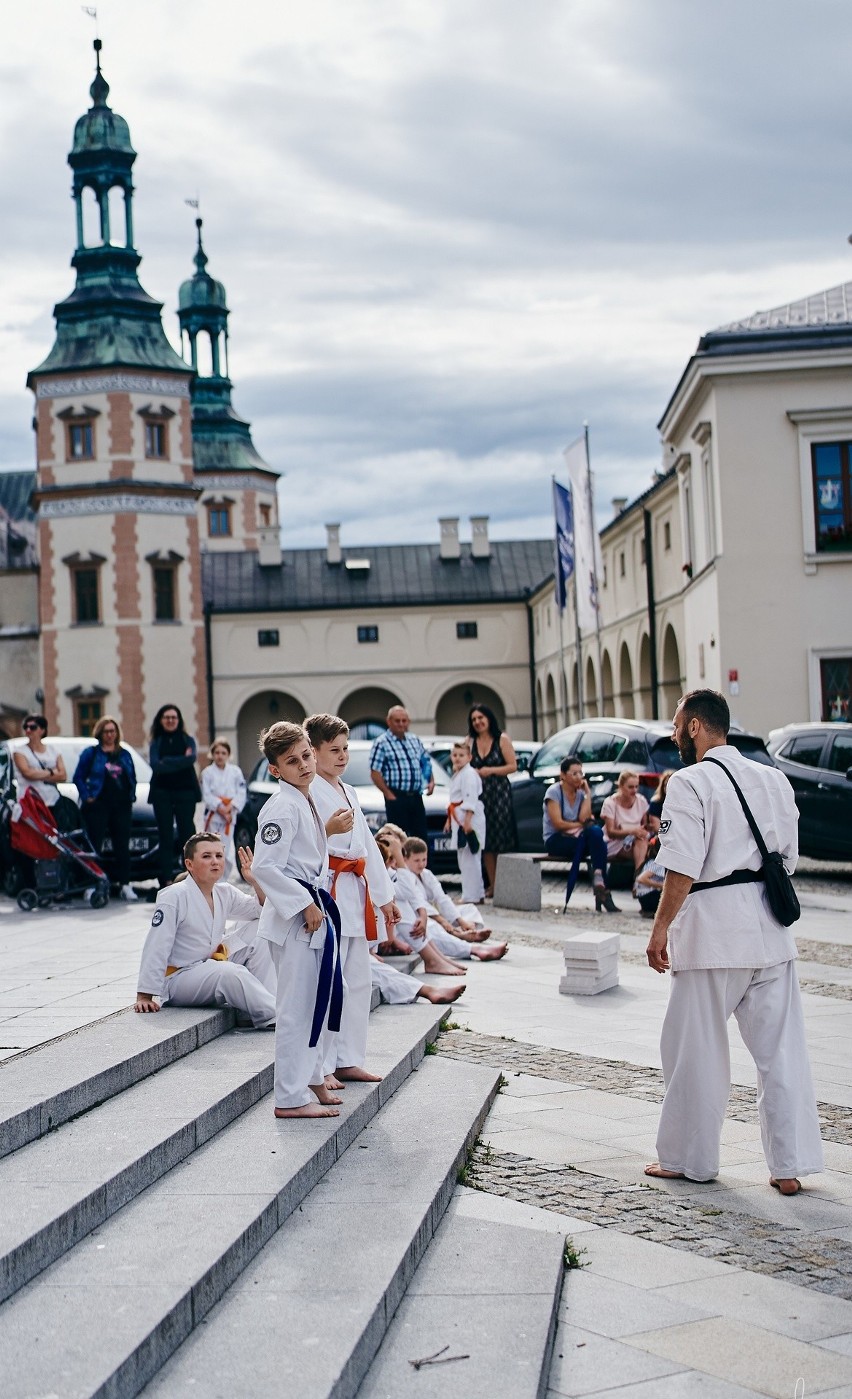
{"points": [[738, 877]]}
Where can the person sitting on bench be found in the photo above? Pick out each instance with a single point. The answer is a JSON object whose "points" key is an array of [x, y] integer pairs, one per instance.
{"points": [[570, 832]]}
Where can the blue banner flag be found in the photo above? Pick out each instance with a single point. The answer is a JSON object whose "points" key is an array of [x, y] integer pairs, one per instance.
{"points": [[563, 509]]}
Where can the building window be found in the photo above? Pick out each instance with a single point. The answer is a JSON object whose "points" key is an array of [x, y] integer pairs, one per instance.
{"points": [[265, 516], [219, 521], [86, 714], [642, 550], [165, 592], [667, 535], [267, 638], [621, 565], [368, 633], [832, 475], [836, 685], [81, 441], [87, 607], [156, 440], [466, 630]]}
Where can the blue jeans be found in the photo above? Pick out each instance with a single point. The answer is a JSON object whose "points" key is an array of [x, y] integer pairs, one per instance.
{"points": [[591, 841]]}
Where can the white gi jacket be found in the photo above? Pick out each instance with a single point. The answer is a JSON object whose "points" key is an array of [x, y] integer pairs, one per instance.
{"points": [[704, 834], [217, 783], [290, 845], [183, 931], [466, 795], [431, 895], [358, 844]]}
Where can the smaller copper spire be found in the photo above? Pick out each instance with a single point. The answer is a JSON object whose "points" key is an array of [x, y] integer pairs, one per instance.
{"points": [[99, 91], [201, 258]]}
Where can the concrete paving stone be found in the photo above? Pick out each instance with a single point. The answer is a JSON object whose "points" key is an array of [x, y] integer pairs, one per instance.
{"points": [[558, 1150], [767, 1302], [685, 1384], [469, 1257], [748, 1355], [479, 1204], [529, 1086], [842, 1345], [585, 1363], [614, 1309], [762, 1202], [645, 1264]]}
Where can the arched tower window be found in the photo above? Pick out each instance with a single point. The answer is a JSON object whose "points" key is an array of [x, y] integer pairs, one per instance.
{"points": [[116, 208], [90, 219]]}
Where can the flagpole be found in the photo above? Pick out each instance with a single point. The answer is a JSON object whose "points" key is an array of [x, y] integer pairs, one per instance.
{"points": [[559, 609], [581, 703], [593, 542]]}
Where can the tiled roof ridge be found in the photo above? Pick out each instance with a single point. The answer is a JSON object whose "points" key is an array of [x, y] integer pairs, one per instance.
{"points": [[833, 306]]}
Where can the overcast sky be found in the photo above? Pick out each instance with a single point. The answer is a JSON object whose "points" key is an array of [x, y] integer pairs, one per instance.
{"points": [[450, 230]]}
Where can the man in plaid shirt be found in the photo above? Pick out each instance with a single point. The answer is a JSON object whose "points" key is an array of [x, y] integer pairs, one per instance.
{"points": [[401, 769]]}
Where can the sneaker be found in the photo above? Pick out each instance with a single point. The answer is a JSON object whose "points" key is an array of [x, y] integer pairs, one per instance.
{"points": [[129, 894]]}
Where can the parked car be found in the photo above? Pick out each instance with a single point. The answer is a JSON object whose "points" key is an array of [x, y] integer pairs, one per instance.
{"points": [[817, 758], [144, 840], [442, 858], [605, 747], [440, 746]]}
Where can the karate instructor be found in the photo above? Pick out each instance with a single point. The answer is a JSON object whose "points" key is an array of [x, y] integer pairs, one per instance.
{"points": [[729, 955]]}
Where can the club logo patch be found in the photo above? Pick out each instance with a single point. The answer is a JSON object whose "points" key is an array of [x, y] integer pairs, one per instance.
{"points": [[665, 826], [271, 833], [158, 918]]}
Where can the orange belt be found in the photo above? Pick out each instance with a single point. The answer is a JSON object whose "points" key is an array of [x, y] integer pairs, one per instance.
{"points": [[220, 954], [341, 865], [211, 815], [451, 811]]}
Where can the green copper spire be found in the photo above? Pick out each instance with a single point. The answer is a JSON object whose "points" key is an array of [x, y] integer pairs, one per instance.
{"points": [[221, 440], [108, 320]]}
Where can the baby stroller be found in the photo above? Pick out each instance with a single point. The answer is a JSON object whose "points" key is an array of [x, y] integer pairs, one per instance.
{"points": [[64, 862]]}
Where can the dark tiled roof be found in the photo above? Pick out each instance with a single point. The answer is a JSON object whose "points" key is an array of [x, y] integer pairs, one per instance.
{"points": [[399, 575], [16, 487], [821, 320]]}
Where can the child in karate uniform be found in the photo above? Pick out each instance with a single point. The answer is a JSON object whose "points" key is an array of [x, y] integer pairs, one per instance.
{"points": [[420, 887], [411, 932], [297, 920], [223, 790], [359, 884], [185, 959], [466, 823]]}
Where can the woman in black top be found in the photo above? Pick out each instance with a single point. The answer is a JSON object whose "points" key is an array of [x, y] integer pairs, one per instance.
{"points": [[493, 756], [175, 790]]}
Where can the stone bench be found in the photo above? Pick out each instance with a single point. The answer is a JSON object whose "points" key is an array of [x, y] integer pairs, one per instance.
{"points": [[517, 883]]}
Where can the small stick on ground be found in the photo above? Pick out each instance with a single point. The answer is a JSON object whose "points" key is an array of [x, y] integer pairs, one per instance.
{"points": [[439, 1358]]}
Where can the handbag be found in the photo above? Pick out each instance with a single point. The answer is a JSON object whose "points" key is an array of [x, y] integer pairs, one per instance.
{"points": [[779, 886]]}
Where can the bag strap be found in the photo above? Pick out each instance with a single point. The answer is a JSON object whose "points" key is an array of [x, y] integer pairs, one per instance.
{"points": [[761, 843]]}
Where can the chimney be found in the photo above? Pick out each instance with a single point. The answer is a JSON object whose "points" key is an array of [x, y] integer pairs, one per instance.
{"points": [[333, 553], [269, 546], [480, 547], [618, 504], [450, 546]]}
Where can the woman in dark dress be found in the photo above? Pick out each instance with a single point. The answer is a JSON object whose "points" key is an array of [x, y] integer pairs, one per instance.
{"points": [[494, 758], [175, 791]]}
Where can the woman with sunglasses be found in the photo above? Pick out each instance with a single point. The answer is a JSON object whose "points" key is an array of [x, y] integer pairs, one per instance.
{"points": [[40, 766]]}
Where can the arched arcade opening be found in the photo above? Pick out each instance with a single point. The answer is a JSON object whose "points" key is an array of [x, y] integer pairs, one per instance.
{"points": [[268, 707]]}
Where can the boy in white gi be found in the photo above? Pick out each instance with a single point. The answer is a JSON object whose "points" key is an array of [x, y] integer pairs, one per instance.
{"points": [[185, 959], [466, 823], [223, 791], [419, 885], [729, 955], [413, 931], [359, 885], [300, 922]]}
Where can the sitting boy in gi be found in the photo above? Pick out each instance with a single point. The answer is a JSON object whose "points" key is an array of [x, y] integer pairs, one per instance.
{"points": [[410, 933], [419, 885], [185, 960]]}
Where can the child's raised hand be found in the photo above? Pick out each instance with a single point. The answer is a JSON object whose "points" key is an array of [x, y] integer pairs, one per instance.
{"points": [[340, 821]]}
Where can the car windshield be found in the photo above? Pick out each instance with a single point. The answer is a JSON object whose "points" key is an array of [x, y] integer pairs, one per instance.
{"points": [[552, 752], [357, 772]]}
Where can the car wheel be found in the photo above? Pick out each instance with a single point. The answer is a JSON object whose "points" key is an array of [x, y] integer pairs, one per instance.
{"points": [[27, 900]]}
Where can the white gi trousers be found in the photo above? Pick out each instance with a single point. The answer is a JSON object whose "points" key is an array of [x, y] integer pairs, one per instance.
{"points": [[395, 988], [697, 1069], [470, 869], [445, 942], [347, 1048], [297, 966], [246, 982]]}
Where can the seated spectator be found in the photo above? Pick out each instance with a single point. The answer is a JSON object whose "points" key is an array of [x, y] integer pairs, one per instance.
{"points": [[570, 832], [624, 816], [655, 809], [39, 765], [649, 886]]}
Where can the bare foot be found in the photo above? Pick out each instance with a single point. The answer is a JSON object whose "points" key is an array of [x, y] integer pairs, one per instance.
{"points": [[479, 935], [492, 953], [441, 995], [332, 1083], [786, 1185], [322, 1094], [358, 1075], [309, 1110], [660, 1173]]}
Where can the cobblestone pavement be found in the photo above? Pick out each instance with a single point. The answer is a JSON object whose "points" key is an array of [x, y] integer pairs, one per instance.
{"points": [[822, 1263], [611, 1076]]}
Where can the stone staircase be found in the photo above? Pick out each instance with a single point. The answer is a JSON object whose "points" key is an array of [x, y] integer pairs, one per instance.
{"points": [[162, 1233]]}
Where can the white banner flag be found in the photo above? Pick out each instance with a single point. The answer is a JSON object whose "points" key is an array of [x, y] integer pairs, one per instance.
{"points": [[587, 548]]}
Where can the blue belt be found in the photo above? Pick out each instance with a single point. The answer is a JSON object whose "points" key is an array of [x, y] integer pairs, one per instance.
{"points": [[330, 983]]}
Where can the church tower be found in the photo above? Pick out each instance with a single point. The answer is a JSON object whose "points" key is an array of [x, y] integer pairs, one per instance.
{"points": [[121, 614], [239, 505]]}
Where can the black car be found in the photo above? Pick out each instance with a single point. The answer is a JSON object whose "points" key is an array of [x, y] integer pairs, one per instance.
{"points": [[442, 859], [817, 758], [606, 748]]}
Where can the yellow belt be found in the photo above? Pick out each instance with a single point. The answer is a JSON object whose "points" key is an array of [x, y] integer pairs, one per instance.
{"points": [[219, 955]]}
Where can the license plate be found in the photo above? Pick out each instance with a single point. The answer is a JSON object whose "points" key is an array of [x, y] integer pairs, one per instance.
{"points": [[138, 842], [442, 843]]}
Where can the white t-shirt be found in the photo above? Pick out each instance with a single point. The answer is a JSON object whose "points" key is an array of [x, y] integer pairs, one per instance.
{"points": [[48, 760]]}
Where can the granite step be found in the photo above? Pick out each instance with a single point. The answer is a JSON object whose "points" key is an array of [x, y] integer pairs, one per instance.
{"points": [[41, 1089], [104, 1318], [486, 1291], [307, 1317]]}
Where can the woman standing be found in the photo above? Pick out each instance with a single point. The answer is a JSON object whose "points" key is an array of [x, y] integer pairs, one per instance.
{"points": [[494, 758], [223, 788], [175, 792], [106, 780], [625, 816], [39, 765]]}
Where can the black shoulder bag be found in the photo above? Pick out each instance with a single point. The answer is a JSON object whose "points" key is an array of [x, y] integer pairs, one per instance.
{"points": [[779, 886]]}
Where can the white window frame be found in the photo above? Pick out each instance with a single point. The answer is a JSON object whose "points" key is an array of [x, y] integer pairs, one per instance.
{"points": [[816, 425], [815, 655]]}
